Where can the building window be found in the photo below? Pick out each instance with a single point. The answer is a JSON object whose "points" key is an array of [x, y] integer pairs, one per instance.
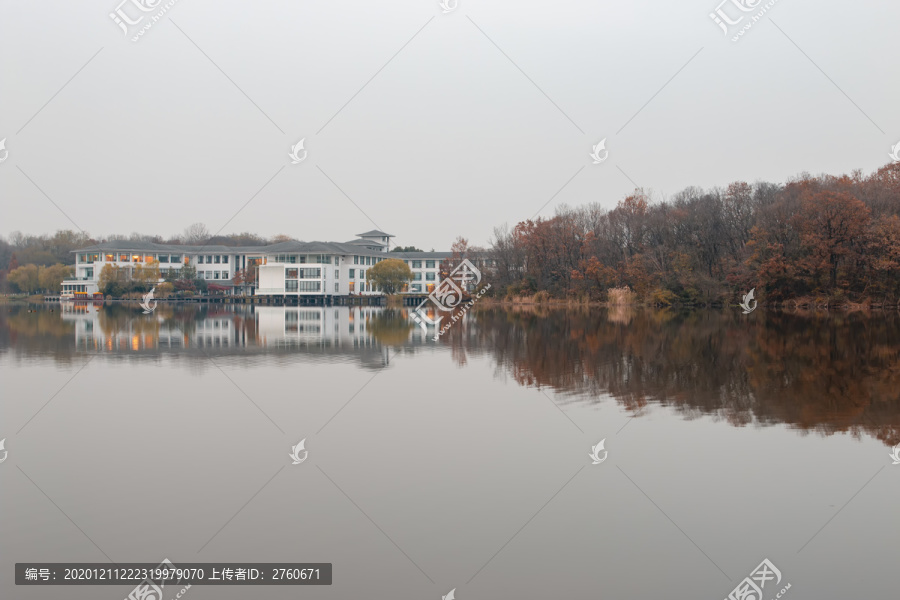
{"points": [[290, 273], [209, 259], [352, 289], [362, 273], [415, 287], [368, 260], [290, 286], [110, 257], [215, 274], [123, 258], [225, 259], [199, 260], [164, 258], [417, 264], [224, 274], [337, 274], [417, 277], [218, 258], [429, 276], [355, 260], [136, 258], [352, 274], [429, 264], [336, 290]]}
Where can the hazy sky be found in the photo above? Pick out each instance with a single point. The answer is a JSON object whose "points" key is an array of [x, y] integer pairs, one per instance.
{"points": [[434, 125]]}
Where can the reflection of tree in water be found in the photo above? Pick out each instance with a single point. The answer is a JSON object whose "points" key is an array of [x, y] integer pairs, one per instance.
{"points": [[390, 327], [458, 333], [37, 332], [826, 373], [622, 313], [821, 372], [845, 367], [40, 323], [126, 318], [42, 329], [129, 318]]}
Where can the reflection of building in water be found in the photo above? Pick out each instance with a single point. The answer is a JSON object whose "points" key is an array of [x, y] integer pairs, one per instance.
{"points": [[353, 326], [121, 328], [83, 316], [214, 332], [98, 329]]}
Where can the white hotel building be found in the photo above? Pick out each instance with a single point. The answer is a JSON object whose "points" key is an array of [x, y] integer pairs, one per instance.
{"points": [[318, 269]]}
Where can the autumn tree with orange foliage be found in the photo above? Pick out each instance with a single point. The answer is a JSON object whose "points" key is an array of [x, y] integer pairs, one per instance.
{"points": [[832, 227], [837, 236]]}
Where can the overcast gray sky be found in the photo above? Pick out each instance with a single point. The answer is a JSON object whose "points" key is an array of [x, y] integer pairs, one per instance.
{"points": [[425, 124]]}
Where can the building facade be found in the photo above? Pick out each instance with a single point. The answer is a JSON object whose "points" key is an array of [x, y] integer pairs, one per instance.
{"points": [[282, 269]]}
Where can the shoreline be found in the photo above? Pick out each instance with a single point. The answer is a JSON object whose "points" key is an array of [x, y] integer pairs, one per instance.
{"points": [[794, 304], [806, 304]]}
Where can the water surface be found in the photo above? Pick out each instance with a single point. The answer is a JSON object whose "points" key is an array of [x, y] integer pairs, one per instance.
{"points": [[458, 463]]}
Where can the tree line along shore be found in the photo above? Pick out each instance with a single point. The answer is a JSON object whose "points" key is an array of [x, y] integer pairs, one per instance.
{"points": [[817, 241]]}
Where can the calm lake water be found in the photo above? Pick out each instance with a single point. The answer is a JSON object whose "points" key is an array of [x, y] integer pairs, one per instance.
{"points": [[461, 463]]}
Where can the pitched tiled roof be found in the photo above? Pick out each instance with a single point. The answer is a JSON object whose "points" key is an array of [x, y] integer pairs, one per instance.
{"points": [[357, 247], [366, 243], [417, 255]]}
